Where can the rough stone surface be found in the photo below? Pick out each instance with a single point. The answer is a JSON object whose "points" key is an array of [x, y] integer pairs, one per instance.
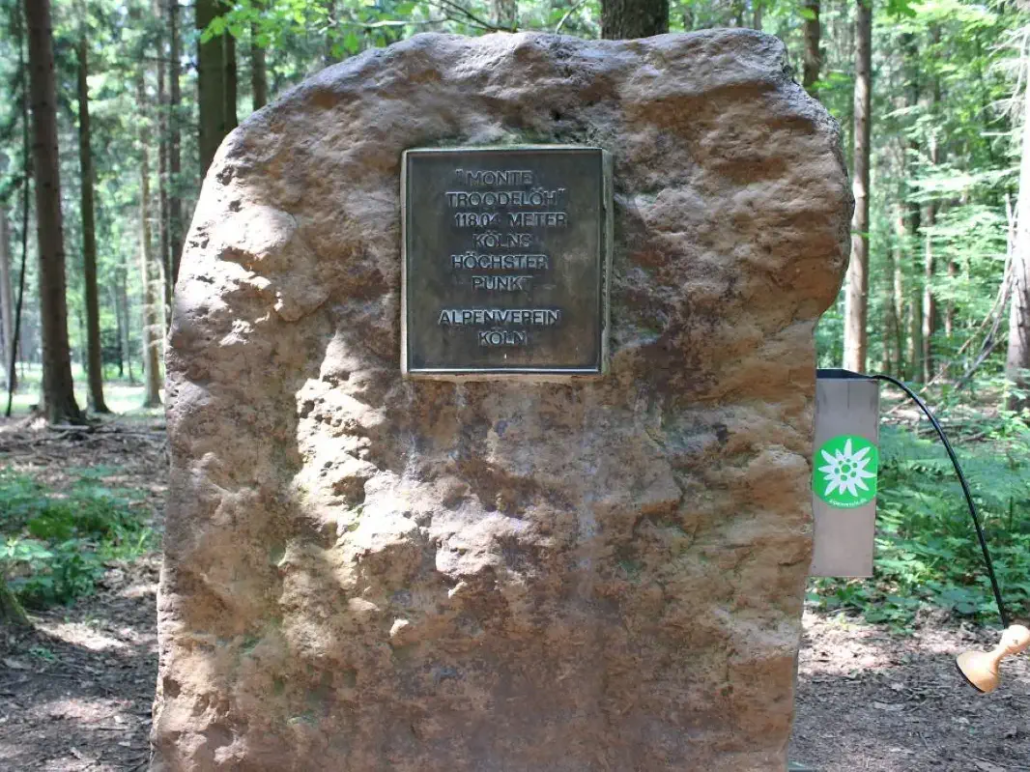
{"points": [[366, 573]]}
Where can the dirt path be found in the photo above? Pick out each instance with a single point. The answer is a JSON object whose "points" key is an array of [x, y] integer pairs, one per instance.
{"points": [[76, 691], [75, 694], [870, 700]]}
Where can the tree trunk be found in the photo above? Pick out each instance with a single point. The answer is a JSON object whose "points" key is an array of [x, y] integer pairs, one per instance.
{"points": [[58, 388], [900, 306], [26, 184], [891, 351], [929, 299], [229, 52], [912, 223], [505, 14], [623, 19], [857, 297], [258, 74], [122, 291], [152, 328], [1017, 361], [757, 10], [6, 293], [813, 55], [83, 352], [115, 300], [211, 96], [331, 34], [930, 316], [94, 365], [915, 328], [163, 229], [949, 311], [174, 155]]}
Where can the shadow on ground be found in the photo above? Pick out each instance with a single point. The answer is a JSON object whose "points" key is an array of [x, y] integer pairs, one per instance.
{"points": [[76, 691], [869, 700]]}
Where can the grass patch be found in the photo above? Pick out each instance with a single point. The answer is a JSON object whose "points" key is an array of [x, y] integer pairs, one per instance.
{"points": [[55, 544]]}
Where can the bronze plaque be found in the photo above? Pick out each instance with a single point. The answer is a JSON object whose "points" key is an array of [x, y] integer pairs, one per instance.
{"points": [[505, 260]]}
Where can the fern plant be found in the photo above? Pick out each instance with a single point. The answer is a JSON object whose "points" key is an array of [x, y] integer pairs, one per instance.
{"points": [[927, 555], [55, 544]]}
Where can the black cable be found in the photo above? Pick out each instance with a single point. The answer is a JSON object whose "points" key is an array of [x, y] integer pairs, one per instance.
{"points": [[965, 489]]}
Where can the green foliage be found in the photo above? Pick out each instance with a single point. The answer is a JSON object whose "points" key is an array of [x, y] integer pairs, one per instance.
{"points": [[926, 549], [55, 545]]}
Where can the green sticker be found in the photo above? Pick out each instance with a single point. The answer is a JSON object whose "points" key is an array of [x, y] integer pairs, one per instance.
{"points": [[847, 475]]}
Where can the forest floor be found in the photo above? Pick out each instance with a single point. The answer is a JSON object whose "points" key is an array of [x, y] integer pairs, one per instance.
{"points": [[76, 690]]}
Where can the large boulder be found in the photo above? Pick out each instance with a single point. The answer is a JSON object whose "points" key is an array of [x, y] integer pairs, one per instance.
{"points": [[364, 572]]}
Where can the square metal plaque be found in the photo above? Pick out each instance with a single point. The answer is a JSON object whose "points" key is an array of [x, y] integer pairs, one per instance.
{"points": [[506, 253]]}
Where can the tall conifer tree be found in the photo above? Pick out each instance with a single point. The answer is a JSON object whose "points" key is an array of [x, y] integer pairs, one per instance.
{"points": [[58, 388], [94, 365]]}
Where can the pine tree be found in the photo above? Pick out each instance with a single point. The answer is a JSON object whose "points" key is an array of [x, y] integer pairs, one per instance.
{"points": [[94, 365], [211, 86], [58, 388]]}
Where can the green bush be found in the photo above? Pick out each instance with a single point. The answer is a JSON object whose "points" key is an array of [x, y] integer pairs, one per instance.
{"points": [[56, 544], [927, 555]]}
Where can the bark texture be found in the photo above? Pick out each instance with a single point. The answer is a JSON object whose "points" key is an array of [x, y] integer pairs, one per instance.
{"points": [[856, 299], [364, 572], [175, 226], [625, 19], [211, 86], [930, 315], [164, 233], [58, 389], [152, 327], [94, 364], [931, 320], [913, 223], [813, 51], [231, 86], [1017, 361], [258, 74], [6, 295], [898, 297], [122, 309]]}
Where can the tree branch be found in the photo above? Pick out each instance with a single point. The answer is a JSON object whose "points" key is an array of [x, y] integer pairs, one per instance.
{"points": [[443, 5], [567, 15]]}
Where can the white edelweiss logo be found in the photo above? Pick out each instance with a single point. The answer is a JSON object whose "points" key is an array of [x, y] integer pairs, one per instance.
{"points": [[848, 477], [846, 471]]}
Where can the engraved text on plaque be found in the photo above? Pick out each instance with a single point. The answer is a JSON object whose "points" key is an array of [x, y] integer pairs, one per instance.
{"points": [[504, 261]]}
